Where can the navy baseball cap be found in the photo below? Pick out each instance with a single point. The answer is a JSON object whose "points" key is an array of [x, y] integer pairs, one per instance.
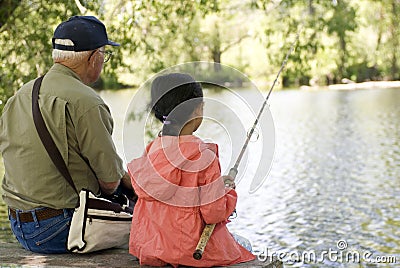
{"points": [[86, 32]]}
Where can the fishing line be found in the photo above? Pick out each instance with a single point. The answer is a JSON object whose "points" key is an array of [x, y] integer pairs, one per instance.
{"points": [[234, 170]]}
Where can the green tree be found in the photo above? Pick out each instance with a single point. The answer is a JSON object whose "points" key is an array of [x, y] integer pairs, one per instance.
{"points": [[318, 20], [7, 7], [25, 41], [340, 24], [148, 30], [386, 22], [157, 33], [352, 39], [225, 29], [284, 20]]}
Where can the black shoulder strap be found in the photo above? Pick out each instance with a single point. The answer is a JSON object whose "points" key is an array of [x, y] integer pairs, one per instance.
{"points": [[45, 136]]}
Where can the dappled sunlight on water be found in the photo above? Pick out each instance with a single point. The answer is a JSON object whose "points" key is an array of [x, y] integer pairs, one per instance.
{"points": [[335, 176]]}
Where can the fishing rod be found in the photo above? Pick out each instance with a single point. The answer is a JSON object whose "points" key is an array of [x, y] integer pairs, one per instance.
{"points": [[209, 228]]}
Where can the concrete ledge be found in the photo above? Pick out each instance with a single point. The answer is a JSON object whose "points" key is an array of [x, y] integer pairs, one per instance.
{"points": [[12, 255]]}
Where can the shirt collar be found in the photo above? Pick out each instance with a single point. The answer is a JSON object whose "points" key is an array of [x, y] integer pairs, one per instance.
{"points": [[64, 70]]}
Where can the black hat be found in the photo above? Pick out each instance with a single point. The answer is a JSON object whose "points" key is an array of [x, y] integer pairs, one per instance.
{"points": [[86, 32]]}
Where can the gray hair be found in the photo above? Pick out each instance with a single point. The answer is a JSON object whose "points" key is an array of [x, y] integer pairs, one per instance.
{"points": [[62, 55]]}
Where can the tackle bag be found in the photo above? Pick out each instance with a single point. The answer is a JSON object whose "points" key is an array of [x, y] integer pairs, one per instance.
{"points": [[98, 223]]}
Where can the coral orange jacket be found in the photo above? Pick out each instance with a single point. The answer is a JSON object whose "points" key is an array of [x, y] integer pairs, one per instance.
{"points": [[180, 189]]}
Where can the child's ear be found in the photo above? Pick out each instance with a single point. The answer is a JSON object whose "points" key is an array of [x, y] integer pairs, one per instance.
{"points": [[199, 110]]}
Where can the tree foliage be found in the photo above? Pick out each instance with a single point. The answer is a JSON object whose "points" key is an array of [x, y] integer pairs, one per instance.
{"points": [[357, 40], [25, 41]]}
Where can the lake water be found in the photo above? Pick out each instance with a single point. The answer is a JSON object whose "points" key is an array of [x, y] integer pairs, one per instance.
{"points": [[334, 184]]}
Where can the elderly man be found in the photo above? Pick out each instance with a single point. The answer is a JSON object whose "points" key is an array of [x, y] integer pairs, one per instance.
{"points": [[40, 200]]}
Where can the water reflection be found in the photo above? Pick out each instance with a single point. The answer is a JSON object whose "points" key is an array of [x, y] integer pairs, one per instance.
{"points": [[336, 173]]}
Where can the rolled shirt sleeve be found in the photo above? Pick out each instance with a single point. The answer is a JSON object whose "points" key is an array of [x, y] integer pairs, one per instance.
{"points": [[94, 130]]}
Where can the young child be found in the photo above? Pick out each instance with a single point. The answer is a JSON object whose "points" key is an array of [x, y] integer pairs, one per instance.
{"points": [[179, 185]]}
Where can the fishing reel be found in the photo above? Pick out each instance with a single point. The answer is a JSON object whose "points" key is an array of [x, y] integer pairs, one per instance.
{"points": [[233, 215]]}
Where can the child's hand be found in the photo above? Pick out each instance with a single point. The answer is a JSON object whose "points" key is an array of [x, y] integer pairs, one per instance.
{"points": [[229, 182]]}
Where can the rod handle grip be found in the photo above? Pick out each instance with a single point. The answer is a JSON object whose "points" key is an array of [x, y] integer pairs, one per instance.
{"points": [[205, 235]]}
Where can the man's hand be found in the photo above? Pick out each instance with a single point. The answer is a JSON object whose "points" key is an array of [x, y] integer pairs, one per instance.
{"points": [[108, 188], [126, 181]]}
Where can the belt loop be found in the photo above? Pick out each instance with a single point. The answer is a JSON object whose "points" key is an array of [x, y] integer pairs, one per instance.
{"points": [[66, 213], [9, 214], [35, 218], [17, 218]]}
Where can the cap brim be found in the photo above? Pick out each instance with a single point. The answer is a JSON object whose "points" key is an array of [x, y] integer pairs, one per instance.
{"points": [[112, 43]]}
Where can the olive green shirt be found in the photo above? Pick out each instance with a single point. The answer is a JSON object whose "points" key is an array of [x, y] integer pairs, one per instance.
{"points": [[80, 124]]}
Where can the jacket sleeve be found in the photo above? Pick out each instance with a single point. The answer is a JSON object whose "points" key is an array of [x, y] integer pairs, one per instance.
{"points": [[217, 202]]}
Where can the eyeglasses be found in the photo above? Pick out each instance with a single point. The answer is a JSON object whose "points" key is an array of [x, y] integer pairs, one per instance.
{"points": [[107, 54]]}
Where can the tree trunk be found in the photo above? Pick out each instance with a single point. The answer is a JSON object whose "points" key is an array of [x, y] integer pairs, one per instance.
{"points": [[311, 9], [216, 50], [394, 24], [342, 56], [217, 59], [7, 7]]}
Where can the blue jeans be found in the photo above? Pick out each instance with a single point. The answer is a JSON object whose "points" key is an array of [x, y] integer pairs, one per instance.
{"points": [[46, 236]]}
